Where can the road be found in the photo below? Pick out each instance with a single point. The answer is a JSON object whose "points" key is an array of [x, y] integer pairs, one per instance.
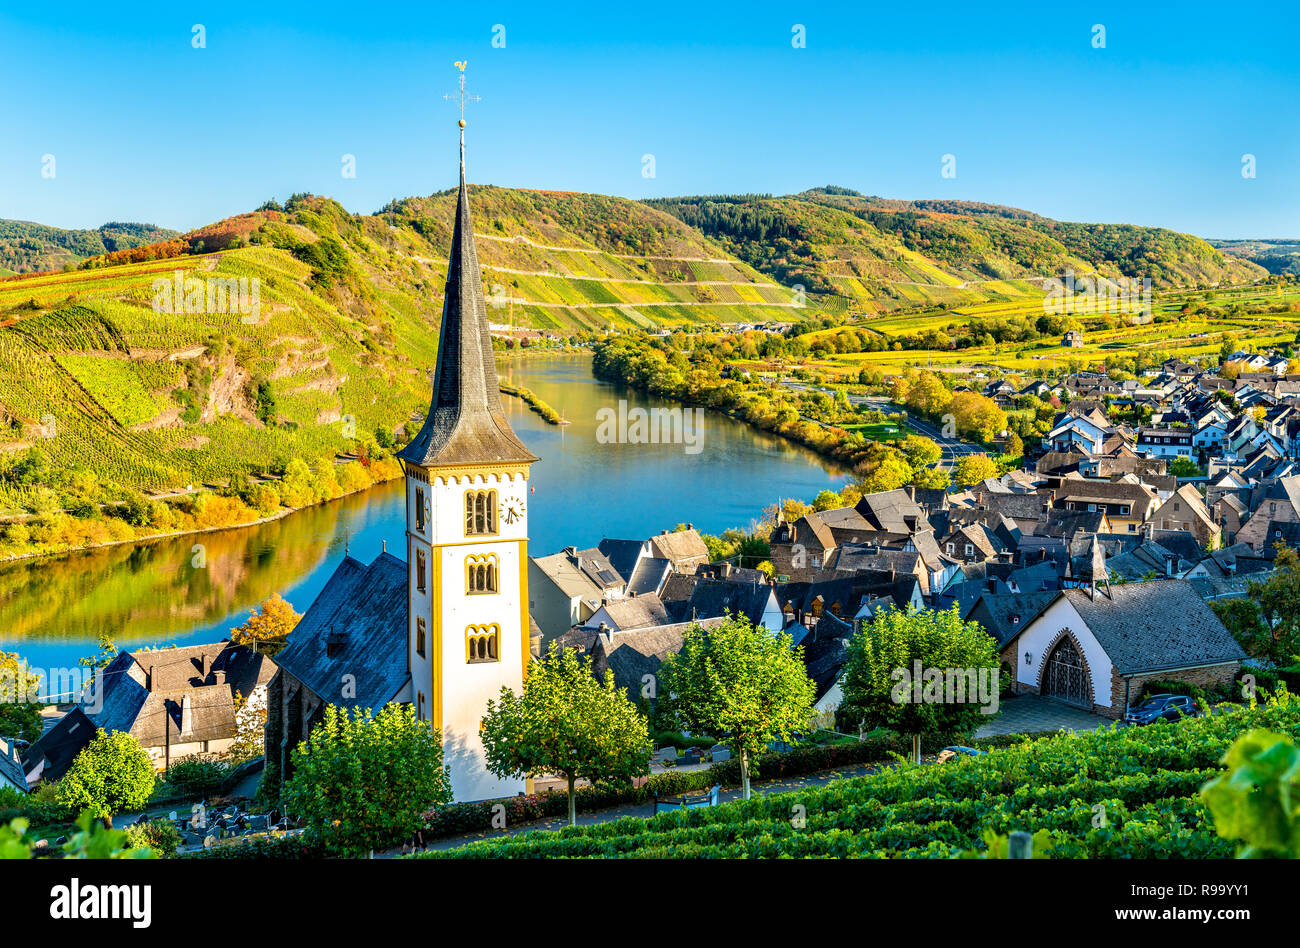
{"points": [[950, 448]]}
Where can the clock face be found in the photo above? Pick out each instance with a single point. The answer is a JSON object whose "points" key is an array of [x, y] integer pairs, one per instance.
{"points": [[512, 510]]}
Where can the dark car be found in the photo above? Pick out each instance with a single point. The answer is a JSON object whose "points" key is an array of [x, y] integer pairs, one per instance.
{"points": [[1162, 708]]}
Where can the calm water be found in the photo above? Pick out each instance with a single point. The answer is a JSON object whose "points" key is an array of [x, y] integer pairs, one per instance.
{"points": [[53, 611]]}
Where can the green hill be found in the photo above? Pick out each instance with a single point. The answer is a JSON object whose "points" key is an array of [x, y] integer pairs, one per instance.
{"points": [[120, 397], [1275, 256], [873, 254], [26, 247]]}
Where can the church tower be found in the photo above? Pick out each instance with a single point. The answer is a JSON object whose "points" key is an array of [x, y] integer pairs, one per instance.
{"points": [[466, 530]]}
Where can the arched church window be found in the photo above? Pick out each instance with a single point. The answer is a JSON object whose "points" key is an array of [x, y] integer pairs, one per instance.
{"points": [[481, 643], [480, 513], [420, 566], [482, 574], [419, 509]]}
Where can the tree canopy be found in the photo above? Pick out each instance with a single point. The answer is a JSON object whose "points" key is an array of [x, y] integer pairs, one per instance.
{"points": [[364, 780], [112, 774], [920, 672], [740, 681], [566, 722]]}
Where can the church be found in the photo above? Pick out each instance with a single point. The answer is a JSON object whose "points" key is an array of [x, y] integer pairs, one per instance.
{"points": [[449, 627]]}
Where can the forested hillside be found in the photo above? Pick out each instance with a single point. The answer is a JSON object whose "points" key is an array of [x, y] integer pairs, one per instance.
{"points": [[26, 247], [874, 254]]}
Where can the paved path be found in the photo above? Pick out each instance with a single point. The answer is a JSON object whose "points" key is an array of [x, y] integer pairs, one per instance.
{"points": [[644, 809], [1028, 713]]}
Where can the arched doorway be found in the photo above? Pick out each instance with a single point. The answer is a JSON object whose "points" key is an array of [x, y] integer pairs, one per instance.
{"points": [[1064, 676]]}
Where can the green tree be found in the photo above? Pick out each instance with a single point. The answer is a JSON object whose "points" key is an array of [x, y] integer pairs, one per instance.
{"points": [[973, 468], [267, 631], [89, 842], [1242, 618], [958, 667], [566, 722], [1279, 603], [20, 715], [740, 681], [107, 652], [364, 780], [112, 774], [1257, 801], [920, 451]]}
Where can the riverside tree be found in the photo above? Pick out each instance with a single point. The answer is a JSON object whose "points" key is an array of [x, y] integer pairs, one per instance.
{"points": [[740, 681], [267, 631], [566, 722], [918, 671], [112, 774], [363, 780]]}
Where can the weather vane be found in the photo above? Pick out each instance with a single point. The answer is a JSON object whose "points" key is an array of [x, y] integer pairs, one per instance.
{"points": [[452, 96]]}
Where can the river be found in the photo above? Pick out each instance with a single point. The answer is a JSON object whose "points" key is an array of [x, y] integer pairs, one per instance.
{"points": [[53, 610]]}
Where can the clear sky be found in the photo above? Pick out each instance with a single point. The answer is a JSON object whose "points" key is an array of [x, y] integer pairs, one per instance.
{"points": [[1151, 129]]}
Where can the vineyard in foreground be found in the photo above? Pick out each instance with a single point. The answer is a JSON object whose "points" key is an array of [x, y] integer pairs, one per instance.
{"points": [[1113, 793]]}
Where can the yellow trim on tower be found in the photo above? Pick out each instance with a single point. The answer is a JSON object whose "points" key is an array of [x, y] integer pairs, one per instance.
{"points": [[435, 699], [523, 606]]}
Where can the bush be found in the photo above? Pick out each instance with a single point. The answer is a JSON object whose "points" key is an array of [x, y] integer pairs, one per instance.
{"points": [[160, 835], [264, 847], [198, 775]]}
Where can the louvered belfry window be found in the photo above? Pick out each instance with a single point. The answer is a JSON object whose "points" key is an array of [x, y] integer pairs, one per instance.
{"points": [[480, 513]]}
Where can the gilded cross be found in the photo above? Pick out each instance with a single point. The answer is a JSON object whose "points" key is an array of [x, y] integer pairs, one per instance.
{"points": [[461, 94]]}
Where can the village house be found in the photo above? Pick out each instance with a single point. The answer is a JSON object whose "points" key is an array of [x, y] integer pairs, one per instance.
{"points": [[1185, 510], [1126, 506], [176, 702], [1097, 648]]}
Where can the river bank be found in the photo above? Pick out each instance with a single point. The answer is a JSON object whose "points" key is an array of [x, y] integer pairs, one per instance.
{"points": [[387, 474], [54, 608]]}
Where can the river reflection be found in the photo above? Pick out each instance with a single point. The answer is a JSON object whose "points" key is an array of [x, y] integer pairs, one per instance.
{"points": [[53, 610]]}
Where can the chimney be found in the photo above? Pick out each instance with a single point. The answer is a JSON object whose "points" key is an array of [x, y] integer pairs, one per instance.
{"points": [[187, 716], [1169, 566]]}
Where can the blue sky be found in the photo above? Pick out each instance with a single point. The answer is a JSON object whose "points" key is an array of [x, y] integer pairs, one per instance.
{"points": [[1149, 130]]}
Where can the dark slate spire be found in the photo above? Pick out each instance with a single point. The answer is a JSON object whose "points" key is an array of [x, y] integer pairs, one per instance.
{"points": [[466, 424]]}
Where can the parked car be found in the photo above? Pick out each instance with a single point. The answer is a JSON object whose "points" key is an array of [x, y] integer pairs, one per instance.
{"points": [[1162, 708], [954, 752]]}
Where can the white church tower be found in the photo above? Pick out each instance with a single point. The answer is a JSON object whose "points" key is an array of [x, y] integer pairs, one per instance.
{"points": [[466, 530]]}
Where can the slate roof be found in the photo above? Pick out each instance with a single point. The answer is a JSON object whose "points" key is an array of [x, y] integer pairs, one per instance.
{"points": [[889, 511], [1067, 523], [11, 768], [678, 588], [1155, 626], [631, 655], [1002, 616], [60, 744], [681, 547], [825, 650], [636, 613], [622, 554], [648, 575], [465, 424], [367, 605], [719, 597]]}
